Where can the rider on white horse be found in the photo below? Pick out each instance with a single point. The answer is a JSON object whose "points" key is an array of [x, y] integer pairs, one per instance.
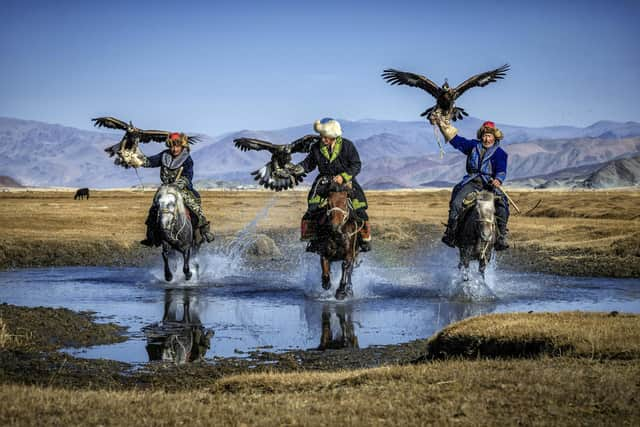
{"points": [[176, 167], [486, 169]]}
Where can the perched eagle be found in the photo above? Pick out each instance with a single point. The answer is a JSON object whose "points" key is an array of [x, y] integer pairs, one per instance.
{"points": [[278, 174], [127, 151], [445, 96]]}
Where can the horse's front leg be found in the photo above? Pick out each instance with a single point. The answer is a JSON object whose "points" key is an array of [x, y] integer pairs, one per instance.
{"points": [[168, 276], [326, 272], [345, 289], [186, 255]]}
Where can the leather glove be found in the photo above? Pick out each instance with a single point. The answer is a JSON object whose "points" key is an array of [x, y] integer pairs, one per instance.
{"points": [[447, 130]]}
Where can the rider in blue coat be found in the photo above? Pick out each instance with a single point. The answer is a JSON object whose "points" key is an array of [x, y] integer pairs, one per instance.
{"points": [[486, 170]]}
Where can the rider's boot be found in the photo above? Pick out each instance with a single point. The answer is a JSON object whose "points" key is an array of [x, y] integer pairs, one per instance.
{"points": [[501, 240], [365, 237], [205, 231], [151, 240], [449, 237]]}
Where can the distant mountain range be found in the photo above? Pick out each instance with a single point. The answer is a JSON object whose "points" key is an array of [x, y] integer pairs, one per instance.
{"points": [[394, 154]]}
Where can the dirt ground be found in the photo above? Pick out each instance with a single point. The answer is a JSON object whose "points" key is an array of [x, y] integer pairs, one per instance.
{"points": [[528, 368], [583, 233]]}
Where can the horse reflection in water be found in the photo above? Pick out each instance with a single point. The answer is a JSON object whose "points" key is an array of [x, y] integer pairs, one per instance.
{"points": [[477, 232], [180, 337], [345, 337]]}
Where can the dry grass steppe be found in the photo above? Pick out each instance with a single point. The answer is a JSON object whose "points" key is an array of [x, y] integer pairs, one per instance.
{"points": [[595, 233]]}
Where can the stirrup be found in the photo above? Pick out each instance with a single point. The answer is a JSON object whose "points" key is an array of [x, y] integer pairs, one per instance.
{"points": [[365, 246]]}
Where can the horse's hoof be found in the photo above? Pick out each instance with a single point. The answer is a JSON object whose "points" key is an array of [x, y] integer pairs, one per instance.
{"points": [[187, 275], [168, 277], [343, 293], [326, 284]]}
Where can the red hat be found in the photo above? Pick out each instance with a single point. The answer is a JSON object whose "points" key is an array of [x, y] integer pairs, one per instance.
{"points": [[491, 128], [174, 136]]}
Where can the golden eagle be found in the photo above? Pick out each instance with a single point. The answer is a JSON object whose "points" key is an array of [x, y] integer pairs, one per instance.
{"points": [[445, 96], [279, 173], [127, 151]]}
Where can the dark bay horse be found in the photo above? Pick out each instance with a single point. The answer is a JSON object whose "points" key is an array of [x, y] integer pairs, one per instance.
{"points": [[175, 228], [338, 238], [476, 234]]}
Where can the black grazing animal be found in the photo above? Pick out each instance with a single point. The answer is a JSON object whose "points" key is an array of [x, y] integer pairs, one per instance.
{"points": [[81, 194], [276, 173], [445, 96]]}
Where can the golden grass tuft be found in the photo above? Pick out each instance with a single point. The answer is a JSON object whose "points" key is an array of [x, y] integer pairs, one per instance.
{"points": [[579, 334]]}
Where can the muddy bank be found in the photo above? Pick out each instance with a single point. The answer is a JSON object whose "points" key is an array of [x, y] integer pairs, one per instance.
{"points": [[31, 358]]}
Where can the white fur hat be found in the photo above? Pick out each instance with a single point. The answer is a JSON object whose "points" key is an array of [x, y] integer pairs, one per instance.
{"points": [[328, 127]]}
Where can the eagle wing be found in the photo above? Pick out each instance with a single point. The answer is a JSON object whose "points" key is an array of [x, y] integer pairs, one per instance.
{"points": [[110, 122], [482, 79], [303, 145], [396, 77], [246, 144]]}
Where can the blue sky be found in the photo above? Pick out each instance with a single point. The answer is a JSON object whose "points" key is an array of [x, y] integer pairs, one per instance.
{"points": [[219, 66]]}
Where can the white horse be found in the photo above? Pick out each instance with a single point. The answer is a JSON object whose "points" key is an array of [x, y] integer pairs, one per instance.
{"points": [[477, 233], [175, 228]]}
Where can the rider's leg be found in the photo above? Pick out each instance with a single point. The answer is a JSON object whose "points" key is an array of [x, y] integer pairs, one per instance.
{"points": [[365, 232], [195, 206], [502, 215], [151, 222]]}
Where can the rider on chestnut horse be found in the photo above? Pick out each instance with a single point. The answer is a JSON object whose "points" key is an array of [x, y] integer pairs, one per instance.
{"points": [[336, 158]]}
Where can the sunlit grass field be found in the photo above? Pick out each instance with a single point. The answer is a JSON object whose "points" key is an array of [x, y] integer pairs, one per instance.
{"points": [[564, 232]]}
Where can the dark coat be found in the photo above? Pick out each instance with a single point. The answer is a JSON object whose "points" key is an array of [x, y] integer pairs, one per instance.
{"points": [[170, 167], [344, 161]]}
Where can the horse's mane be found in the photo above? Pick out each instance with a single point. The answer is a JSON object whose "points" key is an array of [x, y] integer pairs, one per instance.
{"points": [[485, 196]]}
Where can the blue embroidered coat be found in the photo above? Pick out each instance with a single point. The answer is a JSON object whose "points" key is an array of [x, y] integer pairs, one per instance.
{"points": [[492, 165]]}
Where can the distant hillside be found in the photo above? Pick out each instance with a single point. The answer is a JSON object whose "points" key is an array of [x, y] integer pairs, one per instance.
{"points": [[394, 154], [7, 181], [623, 172]]}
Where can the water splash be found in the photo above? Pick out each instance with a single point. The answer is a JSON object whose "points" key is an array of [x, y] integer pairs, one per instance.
{"points": [[222, 260]]}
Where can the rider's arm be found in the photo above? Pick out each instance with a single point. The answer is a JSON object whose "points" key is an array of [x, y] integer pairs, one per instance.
{"points": [[153, 162], [463, 144], [353, 164], [499, 160], [309, 163]]}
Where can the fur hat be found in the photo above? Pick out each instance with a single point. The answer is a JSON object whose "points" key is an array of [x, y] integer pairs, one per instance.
{"points": [[328, 127], [490, 127], [176, 138]]}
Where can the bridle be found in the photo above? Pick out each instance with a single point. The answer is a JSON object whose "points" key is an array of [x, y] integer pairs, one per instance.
{"points": [[172, 222]]}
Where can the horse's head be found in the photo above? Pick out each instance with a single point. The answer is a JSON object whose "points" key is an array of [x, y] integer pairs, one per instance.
{"points": [[338, 206], [168, 200], [486, 209]]}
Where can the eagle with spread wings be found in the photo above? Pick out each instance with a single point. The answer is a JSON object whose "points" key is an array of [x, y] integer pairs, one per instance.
{"points": [[278, 173], [445, 96], [127, 151]]}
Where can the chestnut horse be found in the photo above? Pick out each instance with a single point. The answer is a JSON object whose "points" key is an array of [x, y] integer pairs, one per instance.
{"points": [[338, 238]]}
